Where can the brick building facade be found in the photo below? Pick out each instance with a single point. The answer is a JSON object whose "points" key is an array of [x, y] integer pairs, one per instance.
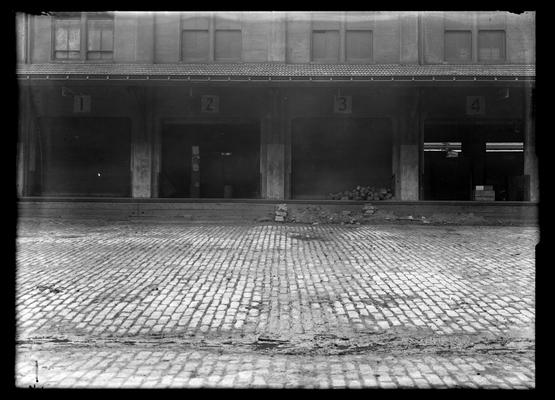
{"points": [[276, 105]]}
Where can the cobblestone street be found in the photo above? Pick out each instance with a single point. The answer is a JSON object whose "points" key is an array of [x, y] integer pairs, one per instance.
{"points": [[128, 304]]}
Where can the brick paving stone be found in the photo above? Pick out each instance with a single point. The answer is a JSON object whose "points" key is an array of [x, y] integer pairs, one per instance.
{"points": [[184, 305]]}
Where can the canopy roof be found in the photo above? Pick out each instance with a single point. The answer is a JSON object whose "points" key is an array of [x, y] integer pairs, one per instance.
{"points": [[276, 71]]}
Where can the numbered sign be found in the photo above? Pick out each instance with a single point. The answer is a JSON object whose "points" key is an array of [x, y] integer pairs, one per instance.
{"points": [[475, 105], [81, 104], [342, 104], [210, 104]]}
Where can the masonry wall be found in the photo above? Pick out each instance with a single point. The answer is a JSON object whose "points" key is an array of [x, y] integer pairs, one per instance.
{"points": [[398, 37], [519, 30]]}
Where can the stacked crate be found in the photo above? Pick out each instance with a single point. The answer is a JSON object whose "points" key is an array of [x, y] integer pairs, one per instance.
{"points": [[484, 193]]}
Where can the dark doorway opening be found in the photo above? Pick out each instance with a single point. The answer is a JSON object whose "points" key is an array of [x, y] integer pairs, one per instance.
{"points": [[336, 154], [210, 161], [460, 156], [81, 157]]}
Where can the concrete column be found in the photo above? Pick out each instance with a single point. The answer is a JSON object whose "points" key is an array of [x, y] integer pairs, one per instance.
{"points": [[288, 146], [126, 29], [155, 134], [275, 149], [408, 24], [144, 52], [23, 132], [530, 156], [408, 173], [141, 146], [395, 159], [277, 38]]}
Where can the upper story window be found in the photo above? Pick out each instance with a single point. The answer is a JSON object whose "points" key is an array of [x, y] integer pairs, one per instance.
{"points": [[100, 38], [325, 45], [340, 37], [358, 46], [477, 37], [491, 45], [195, 45], [80, 37], [228, 45], [67, 32], [207, 37], [458, 45]]}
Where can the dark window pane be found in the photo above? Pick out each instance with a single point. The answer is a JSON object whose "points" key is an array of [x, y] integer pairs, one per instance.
{"points": [[458, 46], [325, 45], [228, 45], [195, 45], [358, 45], [491, 45]]}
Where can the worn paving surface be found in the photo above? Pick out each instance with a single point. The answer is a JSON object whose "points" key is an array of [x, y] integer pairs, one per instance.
{"points": [[265, 305]]}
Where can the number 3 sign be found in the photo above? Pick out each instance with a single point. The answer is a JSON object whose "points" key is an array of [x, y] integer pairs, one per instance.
{"points": [[342, 104], [475, 105]]}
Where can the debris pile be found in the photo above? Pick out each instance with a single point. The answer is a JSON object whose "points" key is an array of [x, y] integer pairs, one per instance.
{"points": [[368, 210], [281, 212], [363, 193], [322, 215], [347, 217]]}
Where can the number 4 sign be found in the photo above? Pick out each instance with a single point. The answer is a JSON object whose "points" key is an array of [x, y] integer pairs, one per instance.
{"points": [[475, 105]]}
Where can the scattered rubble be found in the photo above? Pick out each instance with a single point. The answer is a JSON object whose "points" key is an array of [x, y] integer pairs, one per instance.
{"points": [[368, 209], [280, 213], [368, 213], [459, 218], [49, 289], [317, 214], [363, 193]]}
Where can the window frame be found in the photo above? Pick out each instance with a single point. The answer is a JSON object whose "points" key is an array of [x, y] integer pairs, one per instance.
{"points": [[228, 60], [325, 61], [472, 50], [475, 26], [195, 60], [212, 29], [342, 27], [87, 51], [504, 46], [369, 60], [84, 33]]}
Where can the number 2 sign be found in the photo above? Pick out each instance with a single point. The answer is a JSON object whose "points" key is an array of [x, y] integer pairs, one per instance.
{"points": [[475, 105], [210, 104]]}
